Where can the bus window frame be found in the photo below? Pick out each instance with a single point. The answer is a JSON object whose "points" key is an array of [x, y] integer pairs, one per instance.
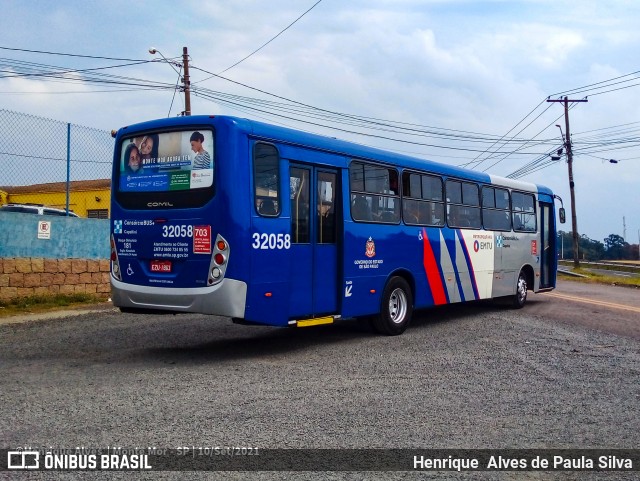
{"points": [[461, 205], [371, 196], [256, 197], [495, 209], [533, 214], [422, 199]]}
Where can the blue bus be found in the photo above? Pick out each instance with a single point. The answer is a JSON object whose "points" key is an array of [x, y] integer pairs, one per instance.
{"points": [[268, 225]]}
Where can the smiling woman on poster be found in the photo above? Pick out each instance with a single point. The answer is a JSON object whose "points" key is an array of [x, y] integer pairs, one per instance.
{"points": [[133, 164], [149, 150], [202, 159]]}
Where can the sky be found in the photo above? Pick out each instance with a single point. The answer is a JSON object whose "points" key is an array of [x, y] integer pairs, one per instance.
{"points": [[455, 81]]}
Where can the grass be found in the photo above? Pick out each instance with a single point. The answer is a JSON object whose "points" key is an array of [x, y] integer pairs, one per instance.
{"points": [[31, 304], [621, 266], [601, 279]]}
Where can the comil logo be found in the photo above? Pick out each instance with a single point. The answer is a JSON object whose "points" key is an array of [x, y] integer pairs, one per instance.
{"points": [[23, 460]]}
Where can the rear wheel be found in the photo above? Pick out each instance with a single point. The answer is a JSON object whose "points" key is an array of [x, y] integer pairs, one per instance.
{"points": [[396, 309], [520, 297]]}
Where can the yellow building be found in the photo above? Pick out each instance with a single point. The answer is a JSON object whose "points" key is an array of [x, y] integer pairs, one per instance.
{"points": [[88, 198]]}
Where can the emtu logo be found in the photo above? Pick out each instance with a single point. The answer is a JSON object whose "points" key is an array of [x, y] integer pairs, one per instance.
{"points": [[23, 460], [477, 246]]}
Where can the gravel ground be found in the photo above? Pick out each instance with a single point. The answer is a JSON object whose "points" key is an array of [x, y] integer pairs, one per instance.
{"points": [[461, 377]]}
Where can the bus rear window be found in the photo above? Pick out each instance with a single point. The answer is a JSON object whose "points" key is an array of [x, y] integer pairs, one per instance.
{"points": [[167, 162]]}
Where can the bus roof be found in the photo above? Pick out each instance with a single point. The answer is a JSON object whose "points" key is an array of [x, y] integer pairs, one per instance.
{"points": [[351, 150]]}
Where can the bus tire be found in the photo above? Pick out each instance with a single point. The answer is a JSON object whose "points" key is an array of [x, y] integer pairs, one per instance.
{"points": [[396, 308], [520, 297]]}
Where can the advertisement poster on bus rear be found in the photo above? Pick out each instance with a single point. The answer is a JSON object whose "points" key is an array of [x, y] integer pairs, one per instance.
{"points": [[167, 161]]}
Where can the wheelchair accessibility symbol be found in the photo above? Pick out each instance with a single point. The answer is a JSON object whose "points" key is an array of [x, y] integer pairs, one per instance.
{"points": [[129, 270]]}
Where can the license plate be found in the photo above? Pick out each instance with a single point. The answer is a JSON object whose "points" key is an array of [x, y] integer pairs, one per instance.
{"points": [[160, 266]]}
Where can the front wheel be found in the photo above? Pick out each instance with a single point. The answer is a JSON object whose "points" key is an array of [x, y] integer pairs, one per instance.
{"points": [[396, 308], [520, 297]]}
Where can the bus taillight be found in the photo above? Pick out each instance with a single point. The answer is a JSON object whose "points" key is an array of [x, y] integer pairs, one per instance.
{"points": [[219, 260], [115, 267]]}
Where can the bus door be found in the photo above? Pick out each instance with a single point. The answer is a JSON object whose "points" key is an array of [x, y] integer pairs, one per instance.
{"points": [[547, 250], [315, 222]]}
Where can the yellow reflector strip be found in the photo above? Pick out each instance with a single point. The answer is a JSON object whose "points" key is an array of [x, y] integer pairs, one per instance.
{"points": [[315, 322]]}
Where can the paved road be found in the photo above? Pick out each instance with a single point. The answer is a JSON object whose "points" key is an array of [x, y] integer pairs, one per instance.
{"points": [[611, 309], [561, 373]]}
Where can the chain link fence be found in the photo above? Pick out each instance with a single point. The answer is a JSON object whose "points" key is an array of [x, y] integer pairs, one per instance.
{"points": [[53, 164]]}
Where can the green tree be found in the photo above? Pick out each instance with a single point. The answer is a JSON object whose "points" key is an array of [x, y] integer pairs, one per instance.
{"points": [[588, 249], [615, 246]]}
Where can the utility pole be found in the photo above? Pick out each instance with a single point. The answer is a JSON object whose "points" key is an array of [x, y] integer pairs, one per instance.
{"points": [[624, 228], [574, 218], [186, 82]]}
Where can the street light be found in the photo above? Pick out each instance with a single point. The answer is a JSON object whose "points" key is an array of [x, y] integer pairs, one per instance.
{"points": [[185, 79], [154, 51]]}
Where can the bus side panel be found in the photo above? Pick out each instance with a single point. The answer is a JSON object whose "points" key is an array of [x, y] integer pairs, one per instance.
{"points": [[444, 265], [370, 252], [268, 249], [233, 205]]}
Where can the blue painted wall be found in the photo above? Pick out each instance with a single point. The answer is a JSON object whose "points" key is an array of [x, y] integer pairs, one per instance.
{"points": [[71, 237]]}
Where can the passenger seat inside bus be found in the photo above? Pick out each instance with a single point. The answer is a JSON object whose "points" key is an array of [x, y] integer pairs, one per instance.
{"points": [[267, 207], [360, 209]]}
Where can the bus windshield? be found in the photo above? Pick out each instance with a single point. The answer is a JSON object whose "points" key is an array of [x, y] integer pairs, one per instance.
{"points": [[167, 161]]}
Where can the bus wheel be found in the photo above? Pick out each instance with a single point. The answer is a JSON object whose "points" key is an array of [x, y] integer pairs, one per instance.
{"points": [[396, 309], [520, 297]]}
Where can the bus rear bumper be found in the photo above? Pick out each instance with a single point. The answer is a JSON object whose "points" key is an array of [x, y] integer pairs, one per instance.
{"points": [[228, 298]]}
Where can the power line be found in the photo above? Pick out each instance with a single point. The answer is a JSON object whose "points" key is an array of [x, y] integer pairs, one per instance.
{"points": [[70, 54], [296, 111], [586, 88], [266, 43]]}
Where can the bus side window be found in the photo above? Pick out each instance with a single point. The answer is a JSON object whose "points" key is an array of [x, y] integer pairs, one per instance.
{"points": [[299, 198], [523, 212], [326, 200], [266, 179]]}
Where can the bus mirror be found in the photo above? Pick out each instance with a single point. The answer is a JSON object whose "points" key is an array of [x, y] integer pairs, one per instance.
{"points": [[563, 217]]}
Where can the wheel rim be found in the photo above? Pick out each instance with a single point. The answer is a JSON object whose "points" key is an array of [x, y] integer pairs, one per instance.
{"points": [[522, 289], [398, 306]]}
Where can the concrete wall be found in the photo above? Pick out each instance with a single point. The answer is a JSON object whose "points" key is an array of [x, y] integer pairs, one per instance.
{"points": [[75, 257], [70, 237]]}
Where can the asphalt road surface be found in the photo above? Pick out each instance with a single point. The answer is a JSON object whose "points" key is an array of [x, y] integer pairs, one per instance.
{"points": [[564, 372]]}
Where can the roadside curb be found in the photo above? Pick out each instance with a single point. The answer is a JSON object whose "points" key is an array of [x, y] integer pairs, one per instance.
{"points": [[58, 314]]}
